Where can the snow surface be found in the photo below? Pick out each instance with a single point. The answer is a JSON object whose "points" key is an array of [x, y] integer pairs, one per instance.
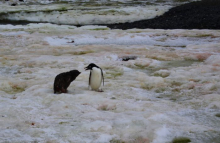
{"points": [[86, 12], [171, 90], [131, 2], [78, 15]]}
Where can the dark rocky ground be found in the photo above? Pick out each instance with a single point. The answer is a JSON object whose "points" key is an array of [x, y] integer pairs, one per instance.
{"points": [[203, 14]]}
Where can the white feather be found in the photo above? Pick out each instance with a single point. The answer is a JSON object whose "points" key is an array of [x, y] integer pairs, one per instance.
{"points": [[96, 78]]}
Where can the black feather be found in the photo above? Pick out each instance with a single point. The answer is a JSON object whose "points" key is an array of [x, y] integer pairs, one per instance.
{"points": [[89, 77], [102, 77], [63, 80]]}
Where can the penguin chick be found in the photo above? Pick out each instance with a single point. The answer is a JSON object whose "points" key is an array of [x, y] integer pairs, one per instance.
{"points": [[95, 77], [63, 80]]}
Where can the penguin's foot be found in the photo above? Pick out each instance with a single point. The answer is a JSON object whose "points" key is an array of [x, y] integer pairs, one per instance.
{"points": [[100, 90]]}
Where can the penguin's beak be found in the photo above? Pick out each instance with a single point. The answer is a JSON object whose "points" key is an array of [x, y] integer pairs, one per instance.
{"points": [[86, 68]]}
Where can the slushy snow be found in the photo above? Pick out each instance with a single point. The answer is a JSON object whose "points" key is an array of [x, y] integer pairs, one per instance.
{"points": [[171, 90]]}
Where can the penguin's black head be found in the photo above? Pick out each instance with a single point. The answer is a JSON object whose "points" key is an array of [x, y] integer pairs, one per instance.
{"points": [[90, 66]]}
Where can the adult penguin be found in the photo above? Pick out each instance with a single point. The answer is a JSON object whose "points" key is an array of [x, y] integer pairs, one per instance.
{"points": [[63, 80], [95, 77]]}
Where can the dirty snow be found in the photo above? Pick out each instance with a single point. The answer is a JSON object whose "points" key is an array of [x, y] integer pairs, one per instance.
{"points": [[171, 90]]}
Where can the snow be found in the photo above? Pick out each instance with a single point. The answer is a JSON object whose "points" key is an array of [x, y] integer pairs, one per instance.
{"points": [[170, 90], [74, 15], [78, 2], [162, 134], [83, 12]]}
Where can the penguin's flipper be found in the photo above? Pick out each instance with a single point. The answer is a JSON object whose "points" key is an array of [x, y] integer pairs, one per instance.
{"points": [[102, 77], [89, 78]]}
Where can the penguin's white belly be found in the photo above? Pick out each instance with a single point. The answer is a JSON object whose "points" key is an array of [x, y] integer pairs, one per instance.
{"points": [[96, 78]]}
